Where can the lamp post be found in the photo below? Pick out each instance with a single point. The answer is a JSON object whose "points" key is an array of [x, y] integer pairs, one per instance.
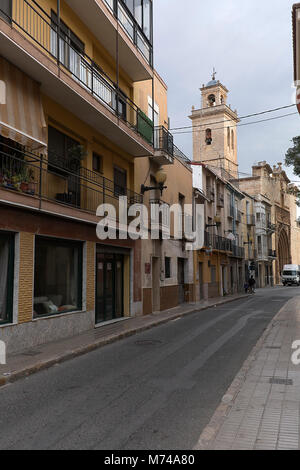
{"points": [[161, 178]]}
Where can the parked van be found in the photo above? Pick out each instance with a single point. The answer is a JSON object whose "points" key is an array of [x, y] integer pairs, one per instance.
{"points": [[291, 275]]}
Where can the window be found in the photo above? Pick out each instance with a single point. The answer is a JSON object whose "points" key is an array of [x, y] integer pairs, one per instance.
{"points": [[6, 276], [97, 163], [58, 276], [208, 136], [120, 182], [167, 267], [63, 151], [71, 49], [232, 140], [228, 136], [6, 10]]}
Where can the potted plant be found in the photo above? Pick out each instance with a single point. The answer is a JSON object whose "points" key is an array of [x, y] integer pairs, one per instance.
{"points": [[31, 182], [24, 186]]}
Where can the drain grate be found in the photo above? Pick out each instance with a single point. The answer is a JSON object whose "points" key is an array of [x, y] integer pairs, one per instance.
{"points": [[148, 342], [273, 347], [280, 381], [31, 353]]}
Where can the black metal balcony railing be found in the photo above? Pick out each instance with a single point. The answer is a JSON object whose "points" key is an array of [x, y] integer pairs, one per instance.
{"points": [[34, 175], [271, 227], [163, 140], [132, 28], [30, 17], [217, 242], [272, 254], [179, 154]]}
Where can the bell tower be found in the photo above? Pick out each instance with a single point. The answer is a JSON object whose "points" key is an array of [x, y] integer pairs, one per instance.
{"points": [[215, 129]]}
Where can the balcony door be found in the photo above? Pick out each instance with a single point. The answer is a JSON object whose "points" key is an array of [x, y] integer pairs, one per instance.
{"points": [[64, 161]]}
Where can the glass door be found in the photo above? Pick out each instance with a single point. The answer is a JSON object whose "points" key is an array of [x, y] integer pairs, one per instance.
{"points": [[109, 287]]}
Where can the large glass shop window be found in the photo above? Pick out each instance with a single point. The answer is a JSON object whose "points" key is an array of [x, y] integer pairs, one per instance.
{"points": [[58, 277]]}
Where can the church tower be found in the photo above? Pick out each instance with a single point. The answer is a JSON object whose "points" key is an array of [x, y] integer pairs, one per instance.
{"points": [[215, 129]]}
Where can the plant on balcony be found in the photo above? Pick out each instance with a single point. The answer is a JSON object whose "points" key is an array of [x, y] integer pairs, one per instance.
{"points": [[76, 154]]}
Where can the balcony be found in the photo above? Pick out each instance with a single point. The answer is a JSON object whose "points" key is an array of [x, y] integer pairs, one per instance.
{"points": [[210, 192], [71, 77], [238, 251], [163, 146], [272, 254], [239, 216], [271, 228], [220, 200], [251, 220], [35, 182], [216, 242], [133, 48]]}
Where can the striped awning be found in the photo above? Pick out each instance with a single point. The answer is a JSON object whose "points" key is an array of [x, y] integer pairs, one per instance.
{"points": [[21, 111]]}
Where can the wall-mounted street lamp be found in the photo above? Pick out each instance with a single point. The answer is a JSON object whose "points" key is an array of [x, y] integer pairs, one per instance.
{"points": [[161, 178]]}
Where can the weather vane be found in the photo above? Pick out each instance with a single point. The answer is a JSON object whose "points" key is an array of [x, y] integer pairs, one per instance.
{"points": [[214, 74]]}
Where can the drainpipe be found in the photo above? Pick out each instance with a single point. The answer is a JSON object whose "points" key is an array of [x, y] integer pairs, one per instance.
{"points": [[58, 31]]}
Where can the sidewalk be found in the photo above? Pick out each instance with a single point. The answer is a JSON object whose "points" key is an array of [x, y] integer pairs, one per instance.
{"points": [[261, 410], [47, 355]]}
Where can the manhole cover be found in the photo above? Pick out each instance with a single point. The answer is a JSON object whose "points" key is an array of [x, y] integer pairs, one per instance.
{"points": [[148, 342], [279, 381]]}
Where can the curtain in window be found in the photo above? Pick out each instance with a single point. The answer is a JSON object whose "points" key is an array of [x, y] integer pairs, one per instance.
{"points": [[4, 255]]}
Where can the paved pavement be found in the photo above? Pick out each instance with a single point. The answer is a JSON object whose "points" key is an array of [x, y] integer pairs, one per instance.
{"points": [[156, 390], [261, 410]]}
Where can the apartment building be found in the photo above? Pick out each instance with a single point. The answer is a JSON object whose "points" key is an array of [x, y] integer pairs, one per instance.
{"points": [[165, 179], [219, 266], [71, 133], [274, 211], [249, 235]]}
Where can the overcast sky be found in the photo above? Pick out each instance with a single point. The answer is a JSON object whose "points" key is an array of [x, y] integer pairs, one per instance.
{"points": [[249, 43]]}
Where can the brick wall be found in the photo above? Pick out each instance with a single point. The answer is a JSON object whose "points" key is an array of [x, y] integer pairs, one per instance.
{"points": [[26, 277]]}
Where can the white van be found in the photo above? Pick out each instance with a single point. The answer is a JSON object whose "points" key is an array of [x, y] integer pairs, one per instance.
{"points": [[291, 275]]}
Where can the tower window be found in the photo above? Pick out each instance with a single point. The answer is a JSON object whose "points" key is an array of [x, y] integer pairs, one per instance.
{"points": [[211, 100], [208, 137], [228, 137], [232, 140]]}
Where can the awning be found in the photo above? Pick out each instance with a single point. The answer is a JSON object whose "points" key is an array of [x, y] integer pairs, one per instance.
{"points": [[21, 111]]}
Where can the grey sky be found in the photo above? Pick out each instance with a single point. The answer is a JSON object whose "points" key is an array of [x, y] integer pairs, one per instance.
{"points": [[250, 44]]}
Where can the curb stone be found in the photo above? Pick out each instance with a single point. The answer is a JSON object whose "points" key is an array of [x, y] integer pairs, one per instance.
{"points": [[210, 432], [48, 363]]}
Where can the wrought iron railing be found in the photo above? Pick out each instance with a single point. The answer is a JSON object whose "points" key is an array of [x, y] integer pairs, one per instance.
{"points": [[132, 28], [272, 254], [34, 175], [179, 154], [34, 21], [163, 140]]}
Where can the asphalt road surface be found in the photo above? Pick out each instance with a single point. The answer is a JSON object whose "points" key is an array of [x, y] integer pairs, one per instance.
{"points": [[156, 390]]}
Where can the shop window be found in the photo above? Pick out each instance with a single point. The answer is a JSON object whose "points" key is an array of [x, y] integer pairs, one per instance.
{"points": [[167, 267], [58, 277], [6, 276], [97, 163]]}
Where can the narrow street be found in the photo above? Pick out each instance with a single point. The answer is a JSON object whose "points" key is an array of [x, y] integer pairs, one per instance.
{"points": [[156, 390]]}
